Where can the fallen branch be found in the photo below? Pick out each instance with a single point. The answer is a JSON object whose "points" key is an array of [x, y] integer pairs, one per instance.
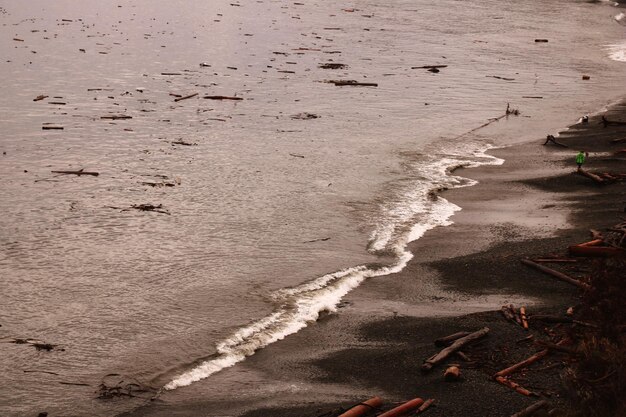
{"points": [[457, 345], [556, 274], [116, 117], [534, 358]]}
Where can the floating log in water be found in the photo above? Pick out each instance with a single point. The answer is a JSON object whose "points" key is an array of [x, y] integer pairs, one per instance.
{"points": [[222, 98], [39, 98], [457, 345], [556, 274], [52, 128], [353, 83], [185, 97], [403, 409], [79, 172], [430, 67], [358, 410], [116, 117]]}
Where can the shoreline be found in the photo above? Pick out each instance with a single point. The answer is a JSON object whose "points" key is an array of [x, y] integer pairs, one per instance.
{"points": [[385, 329]]}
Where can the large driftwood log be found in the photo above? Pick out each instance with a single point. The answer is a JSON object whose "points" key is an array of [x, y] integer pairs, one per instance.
{"points": [[532, 409], [457, 345], [597, 179], [358, 410], [403, 409], [556, 274]]}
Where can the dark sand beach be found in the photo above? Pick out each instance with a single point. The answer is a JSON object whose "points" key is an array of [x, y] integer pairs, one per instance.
{"points": [[477, 257]]}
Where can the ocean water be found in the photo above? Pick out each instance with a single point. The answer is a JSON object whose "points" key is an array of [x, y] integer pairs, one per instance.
{"points": [[273, 207]]}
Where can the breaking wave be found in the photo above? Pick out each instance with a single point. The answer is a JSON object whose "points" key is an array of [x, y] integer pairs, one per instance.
{"points": [[414, 207]]}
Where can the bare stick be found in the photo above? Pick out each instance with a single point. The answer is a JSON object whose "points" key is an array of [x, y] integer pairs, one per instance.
{"points": [[532, 409]]}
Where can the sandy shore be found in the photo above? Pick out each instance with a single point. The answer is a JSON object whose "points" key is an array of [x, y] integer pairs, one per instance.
{"points": [[534, 204]]}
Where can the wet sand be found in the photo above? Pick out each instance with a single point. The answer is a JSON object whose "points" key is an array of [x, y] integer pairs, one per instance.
{"points": [[533, 205]]}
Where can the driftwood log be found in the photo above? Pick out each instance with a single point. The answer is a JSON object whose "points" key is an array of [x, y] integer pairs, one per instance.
{"points": [[515, 386], [457, 345], [556, 274], [185, 97], [403, 409], [445, 341], [358, 410]]}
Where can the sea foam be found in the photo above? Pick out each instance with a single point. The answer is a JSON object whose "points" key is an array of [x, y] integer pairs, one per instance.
{"points": [[416, 209]]}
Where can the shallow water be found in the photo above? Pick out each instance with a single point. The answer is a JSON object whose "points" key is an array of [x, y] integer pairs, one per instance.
{"points": [[257, 194]]}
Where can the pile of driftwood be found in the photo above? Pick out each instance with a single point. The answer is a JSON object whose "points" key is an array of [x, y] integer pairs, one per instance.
{"points": [[608, 244]]}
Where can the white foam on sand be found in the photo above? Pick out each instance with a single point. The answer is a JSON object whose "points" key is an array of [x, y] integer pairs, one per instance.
{"points": [[404, 219]]}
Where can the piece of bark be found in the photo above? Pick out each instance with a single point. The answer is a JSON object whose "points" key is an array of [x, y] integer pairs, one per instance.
{"points": [[515, 386], [425, 406], [453, 373], [185, 97], [457, 345], [532, 409], [358, 410], [79, 172], [445, 341], [403, 409], [556, 274]]}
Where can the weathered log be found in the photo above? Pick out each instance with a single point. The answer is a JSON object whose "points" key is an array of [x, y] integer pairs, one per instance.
{"points": [[457, 345], [522, 313], [556, 274], [445, 341], [594, 242], [403, 409], [79, 172], [532, 409], [52, 128], [424, 406], [358, 410], [453, 373], [185, 97], [515, 386], [516, 314], [595, 251]]}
